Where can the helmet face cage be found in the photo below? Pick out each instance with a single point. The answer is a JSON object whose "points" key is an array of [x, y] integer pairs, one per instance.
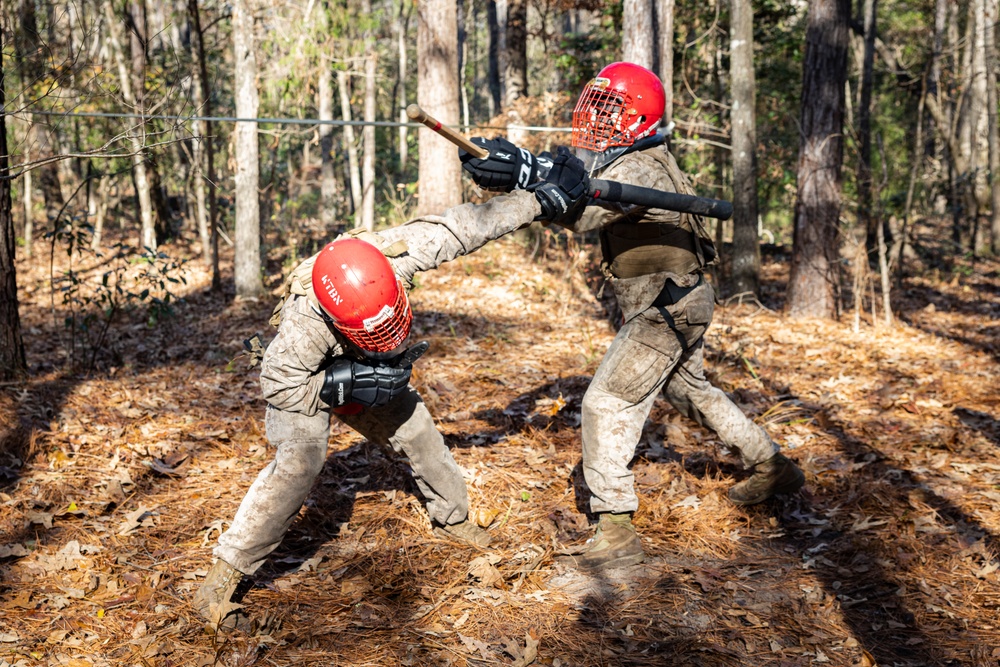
{"points": [[386, 330], [598, 120], [622, 104]]}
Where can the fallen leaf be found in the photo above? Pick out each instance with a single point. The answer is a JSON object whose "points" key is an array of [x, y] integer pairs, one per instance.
{"points": [[549, 407], [866, 523], [354, 588], [989, 568], [161, 467], [135, 520], [22, 601], [691, 501], [67, 558], [482, 569], [484, 517], [525, 656], [475, 645], [12, 550]]}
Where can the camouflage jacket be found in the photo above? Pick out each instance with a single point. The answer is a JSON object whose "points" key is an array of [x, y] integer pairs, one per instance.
{"points": [[651, 168], [292, 369]]}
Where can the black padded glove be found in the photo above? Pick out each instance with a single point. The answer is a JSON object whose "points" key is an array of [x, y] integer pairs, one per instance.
{"points": [[410, 354], [350, 381], [564, 185], [368, 384], [544, 161], [507, 167]]}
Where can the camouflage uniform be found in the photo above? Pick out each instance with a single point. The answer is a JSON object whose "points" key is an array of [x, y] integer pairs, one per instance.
{"points": [[298, 420], [656, 273]]}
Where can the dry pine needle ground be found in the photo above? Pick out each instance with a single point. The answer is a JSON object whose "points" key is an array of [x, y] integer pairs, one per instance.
{"points": [[115, 486]]}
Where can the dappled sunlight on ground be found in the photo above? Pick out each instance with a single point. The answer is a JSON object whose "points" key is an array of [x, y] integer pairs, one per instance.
{"points": [[115, 484]]}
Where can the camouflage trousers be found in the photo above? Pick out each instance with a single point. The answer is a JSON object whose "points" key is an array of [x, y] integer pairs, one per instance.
{"points": [[662, 347], [275, 497]]}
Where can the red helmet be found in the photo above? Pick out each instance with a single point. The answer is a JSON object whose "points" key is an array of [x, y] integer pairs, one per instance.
{"points": [[356, 286], [623, 103]]}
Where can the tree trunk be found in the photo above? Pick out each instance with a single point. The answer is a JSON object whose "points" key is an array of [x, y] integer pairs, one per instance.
{"points": [[437, 93], [719, 153], [964, 160], [139, 48], [955, 159], [813, 281], [637, 33], [147, 232], [210, 253], [993, 9], [402, 24], [246, 269], [29, 213], [157, 27], [12, 359], [100, 214], [496, 91], [368, 139], [328, 178], [462, 53], [900, 238], [665, 44], [934, 79], [883, 266], [327, 174], [49, 175], [28, 47], [866, 219], [343, 84], [745, 271], [157, 195], [977, 121], [516, 78], [144, 179], [198, 157]]}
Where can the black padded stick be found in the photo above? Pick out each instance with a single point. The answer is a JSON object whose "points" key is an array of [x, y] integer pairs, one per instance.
{"points": [[670, 201]]}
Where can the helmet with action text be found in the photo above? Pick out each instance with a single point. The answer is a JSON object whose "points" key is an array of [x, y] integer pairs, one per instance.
{"points": [[622, 104], [356, 286]]}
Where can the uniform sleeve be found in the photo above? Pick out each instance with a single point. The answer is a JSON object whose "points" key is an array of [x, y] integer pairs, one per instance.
{"points": [[291, 373], [433, 240]]}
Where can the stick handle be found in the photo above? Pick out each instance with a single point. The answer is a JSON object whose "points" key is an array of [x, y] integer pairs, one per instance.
{"points": [[670, 201], [414, 112], [607, 190]]}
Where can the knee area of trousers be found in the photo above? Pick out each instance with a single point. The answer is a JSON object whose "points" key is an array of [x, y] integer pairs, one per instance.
{"points": [[300, 458], [596, 402], [421, 436]]}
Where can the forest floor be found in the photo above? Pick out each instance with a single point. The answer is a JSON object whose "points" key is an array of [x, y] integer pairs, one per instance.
{"points": [[115, 484]]}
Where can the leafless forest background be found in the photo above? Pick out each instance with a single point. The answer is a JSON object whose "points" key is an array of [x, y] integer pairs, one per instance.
{"points": [[135, 263]]}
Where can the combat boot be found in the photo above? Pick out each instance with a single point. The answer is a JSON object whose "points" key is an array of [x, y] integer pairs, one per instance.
{"points": [[464, 532], [614, 544], [217, 601], [778, 474]]}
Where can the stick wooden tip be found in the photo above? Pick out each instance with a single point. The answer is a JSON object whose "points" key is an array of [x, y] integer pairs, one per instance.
{"points": [[414, 112]]}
